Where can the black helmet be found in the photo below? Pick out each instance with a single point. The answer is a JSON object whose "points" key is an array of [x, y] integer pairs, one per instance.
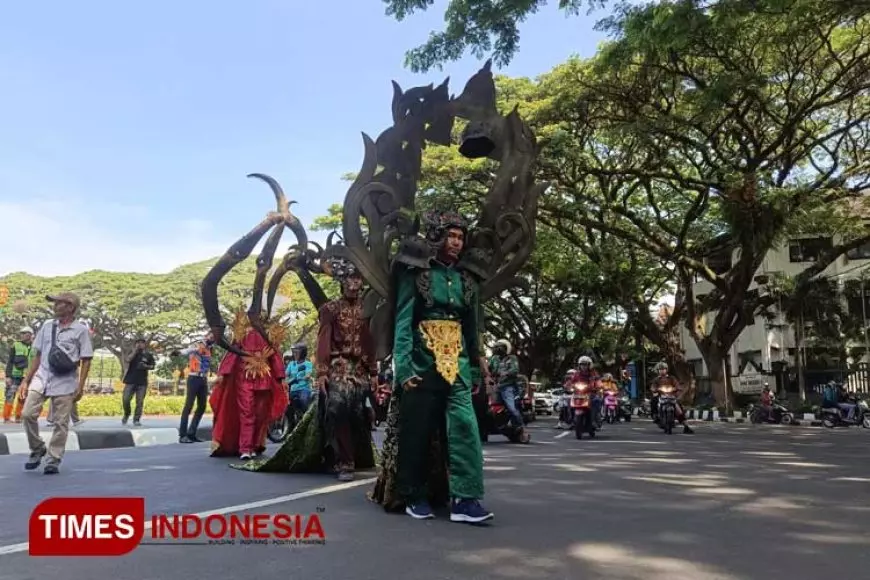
{"points": [[301, 347]]}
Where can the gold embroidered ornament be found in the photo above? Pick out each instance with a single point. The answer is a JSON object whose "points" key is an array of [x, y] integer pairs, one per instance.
{"points": [[444, 339], [276, 331], [257, 364]]}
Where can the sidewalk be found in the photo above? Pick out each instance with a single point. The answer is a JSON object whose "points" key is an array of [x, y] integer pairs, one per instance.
{"points": [[104, 433], [805, 419]]}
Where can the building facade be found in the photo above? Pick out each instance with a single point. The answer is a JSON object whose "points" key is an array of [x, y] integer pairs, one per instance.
{"points": [[764, 341]]}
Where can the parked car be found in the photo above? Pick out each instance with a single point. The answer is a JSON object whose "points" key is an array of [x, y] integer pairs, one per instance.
{"points": [[545, 403]]}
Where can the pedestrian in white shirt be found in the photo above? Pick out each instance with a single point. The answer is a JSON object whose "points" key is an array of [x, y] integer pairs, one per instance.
{"points": [[57, 374]]}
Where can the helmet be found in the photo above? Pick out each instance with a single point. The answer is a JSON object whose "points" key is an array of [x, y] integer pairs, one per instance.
{"points": [[584, 360], [301, 347], [571, 372], [505, 343], [288, 354], [26, 329], [661, 366], [607, 377]]}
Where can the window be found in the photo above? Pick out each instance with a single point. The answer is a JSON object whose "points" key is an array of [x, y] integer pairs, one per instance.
{"points": [[808, 249], [859, 253]]}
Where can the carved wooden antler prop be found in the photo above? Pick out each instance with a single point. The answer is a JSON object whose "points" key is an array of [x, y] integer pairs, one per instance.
{"points": [[505, 232], [240, 251], [383, 194]]}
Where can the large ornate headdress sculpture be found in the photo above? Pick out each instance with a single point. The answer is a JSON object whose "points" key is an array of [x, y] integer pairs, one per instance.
{"points": [[383, 194], [304, 257]]}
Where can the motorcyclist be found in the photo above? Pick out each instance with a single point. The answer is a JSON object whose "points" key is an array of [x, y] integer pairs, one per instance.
{"points": [[299, 372], [565, 418], [844, 402], [767, 402], [666, 379], [611, 391], [586, 374], [505, 369]]}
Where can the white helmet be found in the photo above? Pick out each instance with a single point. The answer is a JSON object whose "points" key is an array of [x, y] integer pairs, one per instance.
{"points": [[505, 343], [26, 329], [584, 360]]}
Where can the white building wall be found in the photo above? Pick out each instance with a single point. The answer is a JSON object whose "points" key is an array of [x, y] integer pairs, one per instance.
{"points": [[771, 340]]}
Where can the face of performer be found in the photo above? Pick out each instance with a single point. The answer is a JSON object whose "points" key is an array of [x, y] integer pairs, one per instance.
{"points": [[352, 286], [663, 371], [500, 350], [453, 244]]}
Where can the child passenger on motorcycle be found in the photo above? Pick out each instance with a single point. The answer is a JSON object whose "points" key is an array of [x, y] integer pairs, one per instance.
{"points": [[662, 380]]}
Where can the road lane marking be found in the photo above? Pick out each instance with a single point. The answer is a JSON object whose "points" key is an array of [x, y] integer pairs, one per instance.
{"points": [[23, 547], [560, 435]]}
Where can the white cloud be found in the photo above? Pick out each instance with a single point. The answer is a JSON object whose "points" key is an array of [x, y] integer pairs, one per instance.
{"points": [[55, 238]]}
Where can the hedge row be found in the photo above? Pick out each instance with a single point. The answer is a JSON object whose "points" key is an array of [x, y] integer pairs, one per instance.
{"points": [[110, 405]]}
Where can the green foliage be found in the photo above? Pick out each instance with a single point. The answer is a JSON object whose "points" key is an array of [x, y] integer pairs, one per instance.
{"points": [[162, 308], [110, 405], [479, 26], [330, 222]]}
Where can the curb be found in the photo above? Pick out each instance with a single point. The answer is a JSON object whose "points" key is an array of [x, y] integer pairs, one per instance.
{"points": [[713, 416], [88, 439]]}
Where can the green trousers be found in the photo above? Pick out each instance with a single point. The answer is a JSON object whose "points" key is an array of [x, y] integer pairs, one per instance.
{"points": [[423, 410]]}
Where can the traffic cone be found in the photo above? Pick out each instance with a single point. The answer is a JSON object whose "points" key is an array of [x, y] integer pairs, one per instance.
{"points": [[7, 412]]}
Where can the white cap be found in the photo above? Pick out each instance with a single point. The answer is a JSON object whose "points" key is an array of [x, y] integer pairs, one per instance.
{"points": [[26, 329]]}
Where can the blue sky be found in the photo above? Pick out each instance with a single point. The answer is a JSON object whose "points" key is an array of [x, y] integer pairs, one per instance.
{"points": [[127, 128]]}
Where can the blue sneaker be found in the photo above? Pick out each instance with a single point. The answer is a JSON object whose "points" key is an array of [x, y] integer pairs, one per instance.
{"points": [[420, 511], [469, 511]]}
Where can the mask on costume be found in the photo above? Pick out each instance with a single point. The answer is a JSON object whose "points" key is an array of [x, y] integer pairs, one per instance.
{"points": [[344, 271]]}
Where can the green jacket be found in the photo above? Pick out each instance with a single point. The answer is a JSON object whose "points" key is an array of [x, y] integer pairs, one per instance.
{"points": [[19, 360], [505, 370], [437, 293]]}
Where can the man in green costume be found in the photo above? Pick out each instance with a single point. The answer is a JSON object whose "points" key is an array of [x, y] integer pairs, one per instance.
{"points": [[436, 353]]}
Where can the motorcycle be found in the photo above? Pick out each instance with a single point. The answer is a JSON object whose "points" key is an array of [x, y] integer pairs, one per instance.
{"points": [[645, 409], [779, 414], [624, 409], [498, 420], [833, 416], [581, 409], [279, 430], [611, 408], [667, 408]]}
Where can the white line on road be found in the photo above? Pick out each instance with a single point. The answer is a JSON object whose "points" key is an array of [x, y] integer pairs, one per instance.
{"points": [[23, 547], [560, 435]]}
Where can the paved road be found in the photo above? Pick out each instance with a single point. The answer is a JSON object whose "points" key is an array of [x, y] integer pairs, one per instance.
{"points": [[732, 502]]}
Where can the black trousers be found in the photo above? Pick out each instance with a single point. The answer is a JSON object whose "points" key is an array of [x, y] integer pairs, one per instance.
{"points": [[139, 391], [197, 390]]}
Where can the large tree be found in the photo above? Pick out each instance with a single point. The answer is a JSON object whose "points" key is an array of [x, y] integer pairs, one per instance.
{"points": [[162, 308], [720, 125]]}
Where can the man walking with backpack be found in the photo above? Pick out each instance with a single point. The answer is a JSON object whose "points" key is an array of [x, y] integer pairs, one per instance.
{"points": [[62, 347]]}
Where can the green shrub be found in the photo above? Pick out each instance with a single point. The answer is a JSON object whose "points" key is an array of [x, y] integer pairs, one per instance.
{"points": [[110, 405]]}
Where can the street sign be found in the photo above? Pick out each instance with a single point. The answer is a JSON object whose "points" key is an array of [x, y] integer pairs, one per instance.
{"points": [[749, 382]]}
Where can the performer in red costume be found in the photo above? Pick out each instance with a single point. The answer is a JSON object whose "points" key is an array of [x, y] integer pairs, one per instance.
{"points": [[249, 395]]}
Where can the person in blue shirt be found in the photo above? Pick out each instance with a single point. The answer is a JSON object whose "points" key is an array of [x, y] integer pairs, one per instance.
{"points": [[299, 373]]}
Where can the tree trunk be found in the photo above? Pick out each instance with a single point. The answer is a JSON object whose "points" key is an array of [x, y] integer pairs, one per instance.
{"points": [[716, 369]]}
